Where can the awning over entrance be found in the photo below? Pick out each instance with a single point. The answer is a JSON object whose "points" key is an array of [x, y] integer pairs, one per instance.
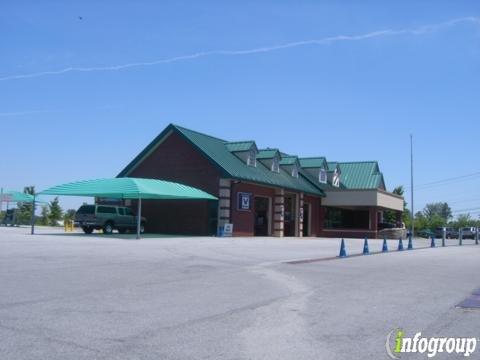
{"points": [[130, 188], [375, 198]]}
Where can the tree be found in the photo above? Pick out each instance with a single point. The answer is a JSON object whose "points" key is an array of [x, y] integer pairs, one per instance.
{"points": [[45, 216], [390, 216], [440, 209], [24, 213], [407, 218], [69, 214], [421, 222], [463, 220], [435, 221], [56, 212]]}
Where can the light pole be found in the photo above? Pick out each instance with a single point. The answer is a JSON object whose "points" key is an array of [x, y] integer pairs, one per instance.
{"points": [[412, 215]]}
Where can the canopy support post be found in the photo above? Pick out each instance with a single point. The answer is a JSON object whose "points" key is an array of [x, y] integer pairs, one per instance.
{"points": [[32, 220], [139, 217]]}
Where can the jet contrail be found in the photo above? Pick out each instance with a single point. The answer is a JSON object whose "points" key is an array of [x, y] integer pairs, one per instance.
{"points": [[49, 111], [28, 112], [324, 41]]}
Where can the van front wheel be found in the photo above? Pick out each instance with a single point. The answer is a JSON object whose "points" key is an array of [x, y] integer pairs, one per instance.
{"points": [[87, 229]]}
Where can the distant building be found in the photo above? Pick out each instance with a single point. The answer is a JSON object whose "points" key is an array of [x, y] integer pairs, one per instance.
{"points": [[262, 192]]}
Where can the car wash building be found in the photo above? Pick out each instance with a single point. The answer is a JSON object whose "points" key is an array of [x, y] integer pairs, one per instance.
{"points": [[262, 192]]}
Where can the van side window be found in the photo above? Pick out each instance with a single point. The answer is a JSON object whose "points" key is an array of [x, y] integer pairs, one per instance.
{"points": [[128, 211], [86, 209], [121, 211], [106, 210]]}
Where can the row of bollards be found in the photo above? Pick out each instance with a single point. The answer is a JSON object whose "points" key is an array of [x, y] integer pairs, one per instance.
{"points": [[366, 249]]}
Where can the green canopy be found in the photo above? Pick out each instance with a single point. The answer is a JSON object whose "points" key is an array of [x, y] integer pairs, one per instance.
{"points": [[129, 188], [16, 196]]}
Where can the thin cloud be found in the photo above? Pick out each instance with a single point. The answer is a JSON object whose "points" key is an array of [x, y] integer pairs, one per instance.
{"points": [[324, 41], [49, 111], [28, 112]]}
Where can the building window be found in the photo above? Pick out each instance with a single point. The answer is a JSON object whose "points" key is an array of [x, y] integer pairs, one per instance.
{"points": [[295, 171], [252, 158], [336, 179], [322, 177], [346, 219], [275, 165]]}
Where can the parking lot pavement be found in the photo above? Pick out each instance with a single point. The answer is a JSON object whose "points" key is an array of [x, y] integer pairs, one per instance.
{"points": [[70, 296]]}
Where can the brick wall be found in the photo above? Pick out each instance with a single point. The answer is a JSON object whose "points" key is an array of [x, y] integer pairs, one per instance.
{"points": [[316, 220], [175, 159], [244, 221]]}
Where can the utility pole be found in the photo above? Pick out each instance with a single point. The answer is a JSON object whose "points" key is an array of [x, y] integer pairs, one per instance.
{"points": [[412, 215]]}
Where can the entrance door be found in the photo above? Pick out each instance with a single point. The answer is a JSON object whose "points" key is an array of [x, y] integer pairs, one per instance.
{"points": [[289, 216], [306, 219], [262, 215]]}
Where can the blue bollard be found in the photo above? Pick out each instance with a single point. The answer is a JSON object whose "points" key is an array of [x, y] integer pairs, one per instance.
{"points": [[433, 242], [365, 247], [385, 245], [400, 245], [343, 251], [410, 243]]}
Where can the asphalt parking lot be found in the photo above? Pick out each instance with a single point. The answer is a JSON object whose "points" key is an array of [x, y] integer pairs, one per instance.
{"points": [[70, 296]]}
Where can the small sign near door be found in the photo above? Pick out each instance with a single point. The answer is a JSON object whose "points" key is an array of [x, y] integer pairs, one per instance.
{"points": [[244, 201], [227, 230]]}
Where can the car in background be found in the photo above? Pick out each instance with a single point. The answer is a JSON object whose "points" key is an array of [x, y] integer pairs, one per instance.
{"points": [[107, 218], [426, 233], [468, 232], [10, 218], [451, 233]]}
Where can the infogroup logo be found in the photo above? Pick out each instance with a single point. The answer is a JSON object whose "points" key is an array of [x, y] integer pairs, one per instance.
{"points": [[429, 346]]}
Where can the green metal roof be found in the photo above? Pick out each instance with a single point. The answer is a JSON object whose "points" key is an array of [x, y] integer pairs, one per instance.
{"points": [[313, 162], [314, 180], [129, 188], [361, 175], [267, 153], [354, 175], [229, 165], [288, 160], [332, 165], [240, 145]]}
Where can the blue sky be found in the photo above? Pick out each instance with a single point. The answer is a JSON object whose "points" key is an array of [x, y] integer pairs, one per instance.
{"points": [[403, 67]]}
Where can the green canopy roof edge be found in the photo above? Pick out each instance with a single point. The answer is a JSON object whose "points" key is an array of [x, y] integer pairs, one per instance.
{"points": [[129, 188]]}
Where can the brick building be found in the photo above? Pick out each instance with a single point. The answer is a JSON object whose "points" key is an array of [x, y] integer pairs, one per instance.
{"points": [[262, 192]]}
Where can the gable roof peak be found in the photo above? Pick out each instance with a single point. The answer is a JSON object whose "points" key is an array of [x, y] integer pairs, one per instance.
{"points": [[239, 146], [313, 162], [180, 128], [268, 153]]}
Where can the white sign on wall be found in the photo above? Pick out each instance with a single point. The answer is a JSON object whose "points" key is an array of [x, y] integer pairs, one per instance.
{"points": [[244, 201], [227, 230]]}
